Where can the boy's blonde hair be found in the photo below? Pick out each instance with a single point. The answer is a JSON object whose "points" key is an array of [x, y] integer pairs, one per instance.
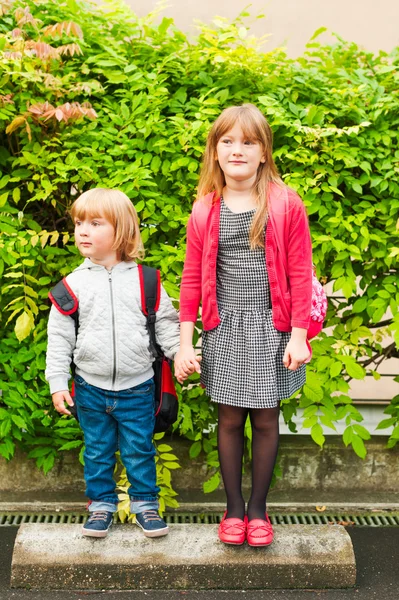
{"points": [[117, 208], [254, 126]]}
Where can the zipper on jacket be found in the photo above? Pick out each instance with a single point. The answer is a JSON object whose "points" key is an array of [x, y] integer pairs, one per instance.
{"points": [[113, 330]]}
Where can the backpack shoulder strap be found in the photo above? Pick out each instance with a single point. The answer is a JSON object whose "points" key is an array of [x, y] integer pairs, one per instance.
{"points": [[63, 298], [150, 287], [65, 301]]}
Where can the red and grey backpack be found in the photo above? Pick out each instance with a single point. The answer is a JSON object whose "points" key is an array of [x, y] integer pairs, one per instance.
{"points": [[166, 404]]}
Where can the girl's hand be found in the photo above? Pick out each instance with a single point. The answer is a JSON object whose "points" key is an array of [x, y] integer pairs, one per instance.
{"points": [[186, 362], [59, 399], [295, 354]]}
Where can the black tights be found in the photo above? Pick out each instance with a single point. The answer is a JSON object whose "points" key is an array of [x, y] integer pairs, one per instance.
{"points": [[265, 435]]}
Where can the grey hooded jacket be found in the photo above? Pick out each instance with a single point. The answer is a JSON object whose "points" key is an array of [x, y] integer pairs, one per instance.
{"points": [[111, 350]]}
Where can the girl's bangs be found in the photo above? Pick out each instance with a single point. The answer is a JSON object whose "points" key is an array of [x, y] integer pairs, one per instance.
{"points": [[247, 121]]}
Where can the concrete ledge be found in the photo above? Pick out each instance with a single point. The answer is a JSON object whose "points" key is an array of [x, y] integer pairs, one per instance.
{"points": [[190, 557]]}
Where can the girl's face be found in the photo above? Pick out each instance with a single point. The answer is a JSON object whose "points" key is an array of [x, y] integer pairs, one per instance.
{"points": [[239, 156], [94, 237]]}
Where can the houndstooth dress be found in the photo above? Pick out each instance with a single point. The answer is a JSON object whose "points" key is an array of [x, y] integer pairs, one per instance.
{"points": [[242, 358]]}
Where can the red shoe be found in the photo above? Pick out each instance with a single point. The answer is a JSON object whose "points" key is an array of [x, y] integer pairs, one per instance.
{"points": [[260, 532], [232, 531]]}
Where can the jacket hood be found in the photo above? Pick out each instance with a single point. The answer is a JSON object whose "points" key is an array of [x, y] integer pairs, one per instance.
{"points": [[121, 266]]}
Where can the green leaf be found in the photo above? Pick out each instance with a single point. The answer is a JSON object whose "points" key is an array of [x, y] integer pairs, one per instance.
{"points": [[7, 449], [164, 448], [355, 370], [168, 456], [195, 449], [310, 421], [386, 423], [313, 393], [71, 445], [358, 446], [317, 434], [395, 433], [327, 422], [362, 432], [212, 484], [19, 421], [172, 465], [38, 452], [23, 326], [16, 195], [336, 369], [48, 463], [348, 435], [318, 32]]}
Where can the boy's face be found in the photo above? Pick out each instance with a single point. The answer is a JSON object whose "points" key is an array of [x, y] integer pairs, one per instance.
{"points": [[94, 237]]}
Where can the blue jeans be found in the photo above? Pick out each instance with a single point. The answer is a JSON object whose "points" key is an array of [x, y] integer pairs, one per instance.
{"points": [[118, 420]]}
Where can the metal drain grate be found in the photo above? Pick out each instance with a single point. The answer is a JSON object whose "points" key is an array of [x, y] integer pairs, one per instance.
{"points": [[360, 520], [18, 518]]}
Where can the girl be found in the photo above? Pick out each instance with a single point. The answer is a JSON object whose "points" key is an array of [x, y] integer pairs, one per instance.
{"points": [[114, 389], [244, 228]]}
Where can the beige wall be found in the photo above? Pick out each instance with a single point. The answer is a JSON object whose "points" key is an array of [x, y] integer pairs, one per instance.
{"points": [[371, 24]]}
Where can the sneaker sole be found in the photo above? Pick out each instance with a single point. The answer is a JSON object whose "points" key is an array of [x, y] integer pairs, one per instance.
{"points": [[155, 533], [94, 533]]}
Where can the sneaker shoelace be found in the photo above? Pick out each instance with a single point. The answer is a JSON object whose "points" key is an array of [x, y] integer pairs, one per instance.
{"points": [[151, 515], [98, 516]]}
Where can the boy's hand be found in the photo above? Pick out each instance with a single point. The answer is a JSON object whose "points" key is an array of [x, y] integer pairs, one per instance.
{"points": [[186, 362], [59, 399]]}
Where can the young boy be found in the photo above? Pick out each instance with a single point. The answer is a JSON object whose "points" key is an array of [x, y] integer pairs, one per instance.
{"points": [[114, 387]]}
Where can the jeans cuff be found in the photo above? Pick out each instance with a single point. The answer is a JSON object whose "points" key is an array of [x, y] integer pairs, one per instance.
{"points": [[96, 505], [139, 506]]}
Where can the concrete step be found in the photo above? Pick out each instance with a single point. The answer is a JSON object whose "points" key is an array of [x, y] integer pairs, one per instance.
{"points": [[190, 557]]}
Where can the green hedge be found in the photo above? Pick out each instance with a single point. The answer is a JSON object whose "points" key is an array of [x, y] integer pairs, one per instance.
{"points": [[129, 105]]}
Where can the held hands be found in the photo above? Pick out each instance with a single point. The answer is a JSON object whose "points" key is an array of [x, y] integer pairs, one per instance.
{"points": [[296, 353], [186, 362], [59, 399]]}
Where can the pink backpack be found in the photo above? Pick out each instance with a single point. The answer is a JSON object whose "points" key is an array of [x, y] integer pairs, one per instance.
{"points": [[318, 310]]}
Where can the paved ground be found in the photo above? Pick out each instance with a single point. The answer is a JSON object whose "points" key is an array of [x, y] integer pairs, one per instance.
{"points": [[377, 554]]}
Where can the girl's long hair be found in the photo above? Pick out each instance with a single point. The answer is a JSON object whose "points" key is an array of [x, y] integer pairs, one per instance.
{"points": [[117, 209], [255, 127]]}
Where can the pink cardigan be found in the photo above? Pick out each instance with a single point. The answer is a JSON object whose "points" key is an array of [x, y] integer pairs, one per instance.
{"points": [[288, 261]]}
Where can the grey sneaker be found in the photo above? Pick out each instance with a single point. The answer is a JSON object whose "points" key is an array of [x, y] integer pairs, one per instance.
{"points": [[151, 523], [97, 524]]}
